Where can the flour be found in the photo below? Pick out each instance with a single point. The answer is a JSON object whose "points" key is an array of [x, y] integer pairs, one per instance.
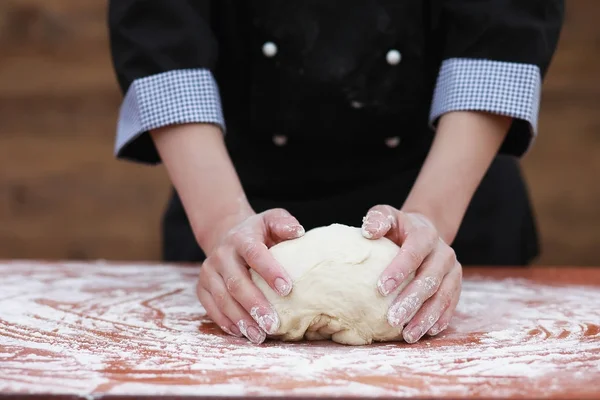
{"points": [[86, 329]]}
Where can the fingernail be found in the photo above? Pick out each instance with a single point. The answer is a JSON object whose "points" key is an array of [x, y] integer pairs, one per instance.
{"points": [[282, 287], [295, 231], [252, 332], [256, 335], [372, 224], [396, 315], [227, 330], [236, 332], [300, 231], [268, 320], [232, 330], [386, 287], [436, 329], [400, 312], [414, 334]]}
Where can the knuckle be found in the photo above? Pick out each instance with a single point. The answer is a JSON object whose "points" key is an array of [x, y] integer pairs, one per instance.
{"points": [[446, 301], [202, 276], [252, 251], [199, 290], [459, 271], [213, 262], [238, 236], [458, 289], [456, 275], [432, 284], [449, 255], [430, 235], [221, 254], [452, 254], [220, 299], [413, 257], [233, 284]]}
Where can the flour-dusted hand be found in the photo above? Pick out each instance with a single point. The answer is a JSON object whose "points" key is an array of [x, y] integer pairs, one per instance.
{"points": [[225, 288], [427, 303]]}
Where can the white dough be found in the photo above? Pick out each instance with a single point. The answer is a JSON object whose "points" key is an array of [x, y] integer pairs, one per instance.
{"points": [[334, 270]]}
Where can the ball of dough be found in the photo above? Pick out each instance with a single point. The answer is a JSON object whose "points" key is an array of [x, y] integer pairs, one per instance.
{"points": [[334, 271]]}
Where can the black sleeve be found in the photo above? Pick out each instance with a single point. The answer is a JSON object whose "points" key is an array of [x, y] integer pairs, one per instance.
{"points": [[148, 37], [519, 31], [494, 55], [164, 54]]}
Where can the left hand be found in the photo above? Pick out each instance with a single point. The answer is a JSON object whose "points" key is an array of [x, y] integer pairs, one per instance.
{"points": [[427, 303]]}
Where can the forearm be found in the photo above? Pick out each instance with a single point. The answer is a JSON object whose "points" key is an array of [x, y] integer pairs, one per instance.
{"points": [[462, 151], [203, 175]]}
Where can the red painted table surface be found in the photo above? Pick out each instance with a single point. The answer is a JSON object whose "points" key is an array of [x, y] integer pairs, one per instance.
{"points": [[98, 330]]}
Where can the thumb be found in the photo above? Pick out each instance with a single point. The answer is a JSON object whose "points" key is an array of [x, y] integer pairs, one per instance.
{"points": [[281, 225], [379, 220]]}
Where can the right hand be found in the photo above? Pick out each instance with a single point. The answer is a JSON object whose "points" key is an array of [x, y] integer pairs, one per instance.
{"points": [[225, 288]]}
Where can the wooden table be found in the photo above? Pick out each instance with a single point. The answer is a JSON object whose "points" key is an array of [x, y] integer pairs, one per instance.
{"points": [[96, 330]]}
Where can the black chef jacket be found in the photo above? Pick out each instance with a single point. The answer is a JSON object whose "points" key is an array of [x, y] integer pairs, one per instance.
{"points": [[329, 107]]}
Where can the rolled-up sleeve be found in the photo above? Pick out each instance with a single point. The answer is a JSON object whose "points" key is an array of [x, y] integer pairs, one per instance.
{"points": [[163, 54], [494, 57]]}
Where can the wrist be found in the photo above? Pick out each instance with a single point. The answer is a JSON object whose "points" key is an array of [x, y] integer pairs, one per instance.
{"points": [[446, 226], [198, 164], [209, 232], [464, 146]]}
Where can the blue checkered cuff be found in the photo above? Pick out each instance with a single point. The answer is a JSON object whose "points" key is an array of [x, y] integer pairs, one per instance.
{"points": [[498, 87], [168, 98]]}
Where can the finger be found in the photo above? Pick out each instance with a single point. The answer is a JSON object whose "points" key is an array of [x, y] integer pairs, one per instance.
{"points": [[211, 307], [281, 225], [248, 298], [417, 246], [224, 302], [446, 317], [215, 314], [256, 254], [430, 314], [378, 221], [424, 285]]}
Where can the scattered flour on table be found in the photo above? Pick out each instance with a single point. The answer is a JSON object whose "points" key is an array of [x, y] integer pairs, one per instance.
{"points": [[135, 329]]}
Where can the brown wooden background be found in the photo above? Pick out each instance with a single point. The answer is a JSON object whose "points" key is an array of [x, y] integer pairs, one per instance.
{"points": [[63, 195]]}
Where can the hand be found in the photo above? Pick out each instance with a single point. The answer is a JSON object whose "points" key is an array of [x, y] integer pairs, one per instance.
{"points": [[225, 287], [427, 303]]}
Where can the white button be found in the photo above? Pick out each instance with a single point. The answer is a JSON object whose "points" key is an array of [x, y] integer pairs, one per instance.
{"points": [[280, 140], [393, 57], [392, 142], [269, 49], [356, 104]]}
